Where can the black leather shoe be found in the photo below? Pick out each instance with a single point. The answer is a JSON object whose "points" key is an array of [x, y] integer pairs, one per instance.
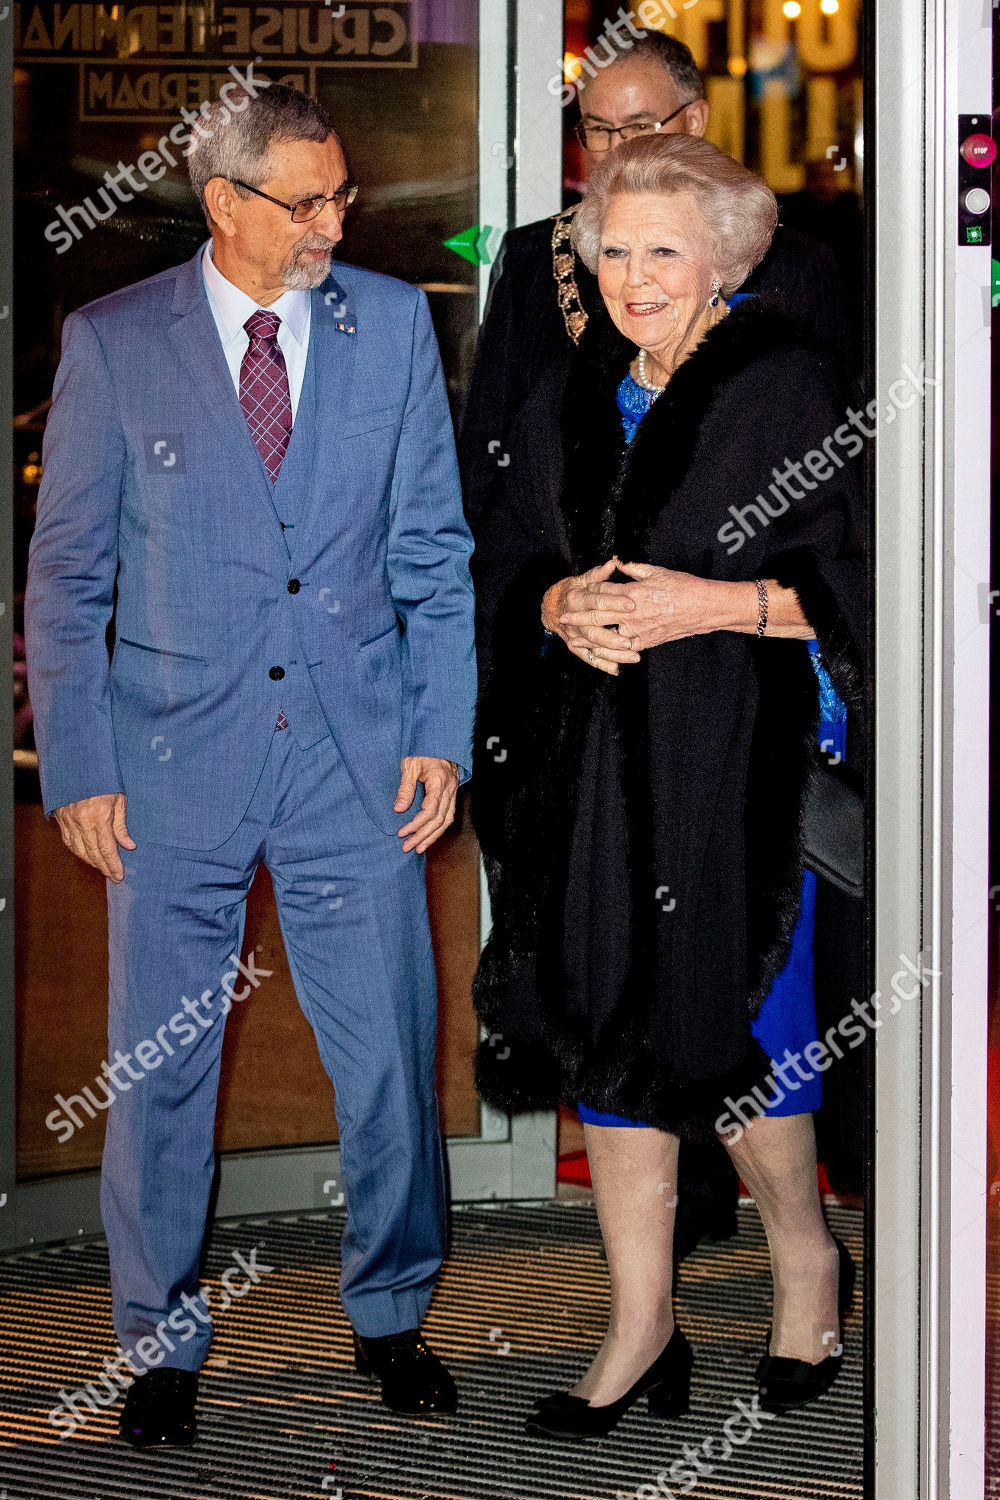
{"points": [[787, 1383], [666, 1386], [159, 1410], [413, 1378]]}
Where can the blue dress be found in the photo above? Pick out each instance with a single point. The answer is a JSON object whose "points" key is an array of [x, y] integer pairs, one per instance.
{"points": [[786, 1021]]}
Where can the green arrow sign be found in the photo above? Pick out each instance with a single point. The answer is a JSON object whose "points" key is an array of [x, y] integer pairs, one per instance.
{"points": [[477, 244]]}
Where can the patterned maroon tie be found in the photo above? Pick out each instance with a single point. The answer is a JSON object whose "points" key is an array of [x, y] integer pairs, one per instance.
{"points": [[264, 396]]}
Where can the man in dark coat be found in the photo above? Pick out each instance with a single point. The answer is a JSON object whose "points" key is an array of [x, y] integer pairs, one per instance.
{"points": [[541, 298]]}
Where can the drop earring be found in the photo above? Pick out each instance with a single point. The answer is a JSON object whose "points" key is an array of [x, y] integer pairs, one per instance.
{"points": [[713, 301]]}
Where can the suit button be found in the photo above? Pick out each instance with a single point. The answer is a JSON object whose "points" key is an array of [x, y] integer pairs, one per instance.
{"points": [[293, 585], [276, 673]]}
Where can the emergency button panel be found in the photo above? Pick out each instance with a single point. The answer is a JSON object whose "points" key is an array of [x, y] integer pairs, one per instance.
{"points": [[976, 151]]}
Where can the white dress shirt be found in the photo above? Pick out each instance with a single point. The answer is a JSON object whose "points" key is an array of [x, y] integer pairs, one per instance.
{"points": [[231, 308]]}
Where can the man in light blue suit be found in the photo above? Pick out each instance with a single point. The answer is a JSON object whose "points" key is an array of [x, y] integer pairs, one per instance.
{"points": [[257, 455]]}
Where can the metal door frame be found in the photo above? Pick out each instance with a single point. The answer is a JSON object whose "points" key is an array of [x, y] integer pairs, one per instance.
{"points": [[932, 62], [7, 913]]}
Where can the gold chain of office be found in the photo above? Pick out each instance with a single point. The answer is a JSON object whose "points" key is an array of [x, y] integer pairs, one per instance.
{"points": [[564, 269]]}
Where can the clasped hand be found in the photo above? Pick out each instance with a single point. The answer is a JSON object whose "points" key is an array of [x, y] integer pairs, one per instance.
{"points": [[608, 625]]}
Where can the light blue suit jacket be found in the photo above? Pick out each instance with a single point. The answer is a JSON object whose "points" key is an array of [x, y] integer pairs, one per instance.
{"points": [[153, 486]]}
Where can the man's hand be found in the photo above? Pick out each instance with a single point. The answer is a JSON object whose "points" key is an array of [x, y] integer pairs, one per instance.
{"points": [[583, 609], [93, 829], [440, 783]]}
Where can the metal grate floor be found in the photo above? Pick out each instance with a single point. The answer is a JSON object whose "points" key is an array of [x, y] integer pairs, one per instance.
{"points": [[519, 1310]]}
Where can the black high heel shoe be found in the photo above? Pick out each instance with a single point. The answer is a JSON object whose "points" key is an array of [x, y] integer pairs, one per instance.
{"points": [[787, 1383], [666, 1386]]}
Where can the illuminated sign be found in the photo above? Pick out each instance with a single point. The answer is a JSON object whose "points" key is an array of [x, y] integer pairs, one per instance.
{"points": [[788, 48], [146, 62]]}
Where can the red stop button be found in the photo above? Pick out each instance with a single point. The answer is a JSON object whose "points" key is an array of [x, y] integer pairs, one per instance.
{"points": [[979, 150]]}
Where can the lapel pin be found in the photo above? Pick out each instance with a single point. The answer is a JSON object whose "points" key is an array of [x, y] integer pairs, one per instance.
{"points": [[346, 327]]}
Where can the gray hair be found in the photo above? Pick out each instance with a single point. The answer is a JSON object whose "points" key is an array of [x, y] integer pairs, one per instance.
{"points": [[670, 53], [739, 208], [233, 137]]}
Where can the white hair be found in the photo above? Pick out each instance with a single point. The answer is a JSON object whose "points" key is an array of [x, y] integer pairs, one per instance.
{"points": [[739, 209]]}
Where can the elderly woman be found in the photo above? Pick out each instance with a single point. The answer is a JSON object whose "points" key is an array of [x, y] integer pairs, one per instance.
{"points": [[666, 586]]}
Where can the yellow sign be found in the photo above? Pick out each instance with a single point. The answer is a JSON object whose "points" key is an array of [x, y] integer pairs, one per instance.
{"points": [[819, 38]]}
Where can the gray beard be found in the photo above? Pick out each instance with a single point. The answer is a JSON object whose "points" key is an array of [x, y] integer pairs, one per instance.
{"points": [[305, 278]]}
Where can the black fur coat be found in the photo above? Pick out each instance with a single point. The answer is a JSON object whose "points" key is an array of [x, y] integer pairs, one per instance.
{"points": [[714, 734]]}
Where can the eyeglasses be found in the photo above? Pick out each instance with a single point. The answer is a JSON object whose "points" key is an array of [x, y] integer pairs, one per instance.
{"points": [[598, 137], [307, 208]]}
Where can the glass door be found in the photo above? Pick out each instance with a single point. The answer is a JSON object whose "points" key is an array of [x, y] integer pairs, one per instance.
{"points": [[424, 101]]}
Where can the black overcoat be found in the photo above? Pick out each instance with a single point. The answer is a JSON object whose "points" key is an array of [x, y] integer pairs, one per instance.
{"points": [[715, 733]]}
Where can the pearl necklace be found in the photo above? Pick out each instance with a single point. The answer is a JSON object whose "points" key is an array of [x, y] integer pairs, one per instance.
{"points": [[657, 390]]}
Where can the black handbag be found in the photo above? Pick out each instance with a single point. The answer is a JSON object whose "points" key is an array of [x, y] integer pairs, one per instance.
{"points": [[833, 828]]}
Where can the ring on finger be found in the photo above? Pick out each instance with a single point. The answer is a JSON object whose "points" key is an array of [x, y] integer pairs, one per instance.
{"points": [[590, 654]]}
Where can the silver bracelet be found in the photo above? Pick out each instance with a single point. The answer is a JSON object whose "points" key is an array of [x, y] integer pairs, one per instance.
{"points": [[761, 606]]}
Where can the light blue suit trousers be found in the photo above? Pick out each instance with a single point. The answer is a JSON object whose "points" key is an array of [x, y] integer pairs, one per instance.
{"points": [[354, 922]]}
